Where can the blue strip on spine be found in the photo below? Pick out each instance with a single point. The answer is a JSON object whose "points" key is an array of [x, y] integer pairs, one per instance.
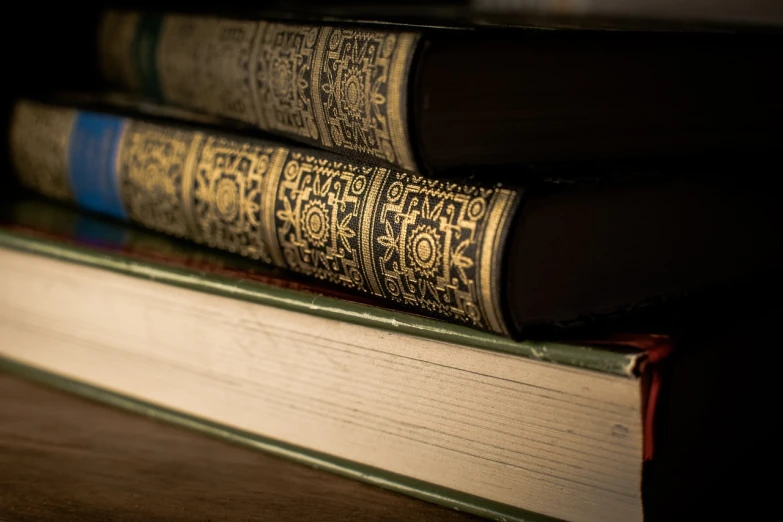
{"points": [[92, 163]]}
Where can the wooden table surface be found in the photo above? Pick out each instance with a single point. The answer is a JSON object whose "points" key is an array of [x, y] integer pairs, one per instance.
{"points": [[65, 458]]}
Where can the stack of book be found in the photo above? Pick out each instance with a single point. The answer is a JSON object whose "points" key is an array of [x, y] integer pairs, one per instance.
{"points": [[471, 261]]}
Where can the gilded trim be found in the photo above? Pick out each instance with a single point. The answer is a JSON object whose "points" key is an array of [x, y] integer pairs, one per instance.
{"points": [[188, 171], [269, 195], [432, 246], [367, 231], [490, 260], [398, 100], [341, 88], [315, 89]]}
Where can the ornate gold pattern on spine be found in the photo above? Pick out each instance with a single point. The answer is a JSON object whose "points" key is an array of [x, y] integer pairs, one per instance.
{"points": [[39, 148], [319, 207], [432, 246], [430, 239], [151, 169], [283, 80], [228, 195], [357, 78], [338, 88]]}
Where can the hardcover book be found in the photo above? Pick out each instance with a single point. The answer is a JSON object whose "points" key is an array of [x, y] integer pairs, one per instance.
{"points": [[428, 99], [499, 258], [509, 430], [609, 428]]}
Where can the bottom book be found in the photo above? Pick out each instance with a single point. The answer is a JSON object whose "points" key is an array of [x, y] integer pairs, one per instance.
{"points": [[507, 430], [66, 458]]}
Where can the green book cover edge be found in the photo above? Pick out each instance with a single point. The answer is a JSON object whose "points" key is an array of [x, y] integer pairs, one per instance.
{"points": [[620, 363], [399, 483]]}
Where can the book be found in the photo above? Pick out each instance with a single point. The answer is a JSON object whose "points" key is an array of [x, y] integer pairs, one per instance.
{"points": [[429, 99], [708, 441], [124, 457], [499, 258], [509, 430]]}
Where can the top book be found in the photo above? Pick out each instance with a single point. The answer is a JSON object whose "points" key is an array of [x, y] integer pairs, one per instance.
{"points": [[429, 99]]}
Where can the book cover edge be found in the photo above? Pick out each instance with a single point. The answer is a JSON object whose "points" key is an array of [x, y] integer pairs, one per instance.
{"points": [[619, 363], [398, 483]]}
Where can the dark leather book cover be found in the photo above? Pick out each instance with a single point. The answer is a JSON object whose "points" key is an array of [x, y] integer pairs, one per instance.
{"points": [[431, 97], [506, 257], [431, 246]]}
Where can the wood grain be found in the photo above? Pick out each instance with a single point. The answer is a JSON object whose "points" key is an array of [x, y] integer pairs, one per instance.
{"points": [[65, 458]]}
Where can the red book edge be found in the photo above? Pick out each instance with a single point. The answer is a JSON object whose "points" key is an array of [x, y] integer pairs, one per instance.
{"points": [[656, 349]]}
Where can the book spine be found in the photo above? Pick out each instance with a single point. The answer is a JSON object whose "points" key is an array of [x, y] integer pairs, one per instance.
{"points": [[339, 88], [432, 246]]}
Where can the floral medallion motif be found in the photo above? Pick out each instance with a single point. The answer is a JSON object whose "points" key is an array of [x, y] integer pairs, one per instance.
{"points": [[425, 250]]}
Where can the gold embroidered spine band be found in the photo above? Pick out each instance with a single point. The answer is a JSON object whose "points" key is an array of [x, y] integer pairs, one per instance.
{"points": [[340, 88], [433, 246]]}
